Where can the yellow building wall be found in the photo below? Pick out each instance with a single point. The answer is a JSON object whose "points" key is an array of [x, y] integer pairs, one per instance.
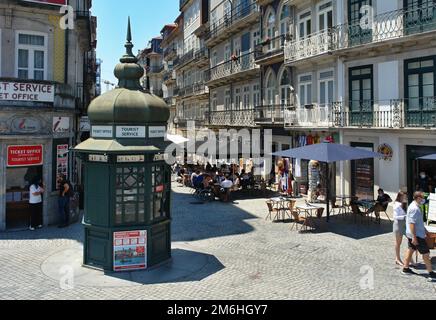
{"points": [[58, 50]]}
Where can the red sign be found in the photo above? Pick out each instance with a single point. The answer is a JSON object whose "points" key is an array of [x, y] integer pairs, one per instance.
{"points": [[24, 156], [55, 2]]}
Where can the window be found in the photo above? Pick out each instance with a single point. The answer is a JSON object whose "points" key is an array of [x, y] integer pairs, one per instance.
{"points": [[238, 100], [256, 95], [305, 25], [326, 87], [325, 16], [271, 90], [130, 195], [160, 184], [285, 16], [305, 90], [214, 101], [271, 30], [361, 95], [214, 61], [285, 88], [227, 52], [256, 38], [227, 100], [237, 46], [246, 98], [31, 56]]}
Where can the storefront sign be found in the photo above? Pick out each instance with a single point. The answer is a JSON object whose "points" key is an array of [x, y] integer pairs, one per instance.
{"points": [[157, 132], [130, 132], [85, 124], [34, 92], [98, 158], [62, 159], [25, 156], [387, 151], [102, 132], [26, 125], [53, 2], [130, 250], [129, 159], [61, 124]]}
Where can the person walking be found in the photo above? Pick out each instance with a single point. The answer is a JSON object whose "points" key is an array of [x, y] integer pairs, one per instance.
{"points": [[65, 192], [400, 215], [36, 191], [417, 234]]}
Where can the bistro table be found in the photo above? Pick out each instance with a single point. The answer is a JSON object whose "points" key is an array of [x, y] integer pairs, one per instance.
{"points": [[282, 205], [366, 205], [309, 211]]}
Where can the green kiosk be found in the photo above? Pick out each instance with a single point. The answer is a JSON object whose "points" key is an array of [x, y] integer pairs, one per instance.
{"points": [[127, 180]]}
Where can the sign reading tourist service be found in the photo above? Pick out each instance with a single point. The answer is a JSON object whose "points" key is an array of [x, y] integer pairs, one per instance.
{"points": [[24, 156], [130, 132], [18, 91]]}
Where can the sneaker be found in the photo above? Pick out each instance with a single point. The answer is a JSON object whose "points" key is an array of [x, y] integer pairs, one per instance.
{"points": [[432, 277], [32, 229], [408, 272]]}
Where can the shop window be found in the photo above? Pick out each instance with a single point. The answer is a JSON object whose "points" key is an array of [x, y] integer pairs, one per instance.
{"points": [[31, 56]]}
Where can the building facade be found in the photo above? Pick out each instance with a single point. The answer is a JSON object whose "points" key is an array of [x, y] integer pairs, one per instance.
{"points": [[47, 81]]}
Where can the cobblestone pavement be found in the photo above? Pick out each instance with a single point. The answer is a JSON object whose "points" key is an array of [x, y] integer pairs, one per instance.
{"points": [[249, 258]]}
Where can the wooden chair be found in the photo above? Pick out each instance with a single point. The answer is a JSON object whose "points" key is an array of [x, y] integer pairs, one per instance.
{"points": [[292, 211], [271, 211]]}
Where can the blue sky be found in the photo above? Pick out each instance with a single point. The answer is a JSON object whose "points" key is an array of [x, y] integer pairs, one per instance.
{"points": [[147, 18]]}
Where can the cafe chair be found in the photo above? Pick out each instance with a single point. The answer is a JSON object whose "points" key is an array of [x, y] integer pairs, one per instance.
{"points": [[292, 211], [271, 211]]}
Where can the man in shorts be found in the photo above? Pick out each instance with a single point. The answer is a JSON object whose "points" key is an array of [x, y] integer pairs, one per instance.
{"points": [[417, 234]]}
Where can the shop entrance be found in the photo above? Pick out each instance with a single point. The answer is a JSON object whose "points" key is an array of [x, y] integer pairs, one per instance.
{"points": [[18, 181], [415, 167]]}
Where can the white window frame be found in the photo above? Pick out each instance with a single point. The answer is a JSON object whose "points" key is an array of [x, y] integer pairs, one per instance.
{"points": [[214, 101], [255, 35], [324, 12], [306, 85], [256, 95], [246, 97], [31, 49], [238, 98], [227, 99], [326, 80], [286, 21], [304, 20]]}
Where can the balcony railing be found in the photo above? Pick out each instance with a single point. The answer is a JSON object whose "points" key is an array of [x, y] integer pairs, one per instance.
{"points": [[313, 45], [311, 116], [170, 51], [270, 47], [392, 114], [387, 26], [169, 75], [186, 91], [245, 9], [272, 114], [200, 88], [235, 65], [232, 118]]}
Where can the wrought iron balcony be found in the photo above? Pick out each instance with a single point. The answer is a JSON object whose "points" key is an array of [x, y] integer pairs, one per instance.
{"points": [[271, 114], [308, 116], [235, 20], [313, 45], [234, 67], [387, 26], [232, 118], [186, 91], [393, 114], [270, 48]]}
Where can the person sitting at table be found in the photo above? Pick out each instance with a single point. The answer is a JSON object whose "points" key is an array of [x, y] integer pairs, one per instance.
{"points": [[381, 204], [355, 206], [226, 187]]}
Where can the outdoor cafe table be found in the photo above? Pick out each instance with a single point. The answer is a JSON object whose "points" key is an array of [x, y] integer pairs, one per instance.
{"points": [[366, 205], [282, 205], [309, 211]]}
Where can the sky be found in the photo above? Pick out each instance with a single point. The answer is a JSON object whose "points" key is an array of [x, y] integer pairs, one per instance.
{"points": [[147, 18]]}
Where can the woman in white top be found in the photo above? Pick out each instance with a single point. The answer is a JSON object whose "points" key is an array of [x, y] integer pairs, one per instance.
{"points": [[35, 202], [400, 213]]}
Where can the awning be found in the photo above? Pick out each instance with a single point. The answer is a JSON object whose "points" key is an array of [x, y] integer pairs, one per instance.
{"points": [[176, 139]]}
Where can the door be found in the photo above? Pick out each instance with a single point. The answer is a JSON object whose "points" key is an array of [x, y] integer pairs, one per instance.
{"points": [[420, 16], [357, 18], [361, 96], [420, 79]]}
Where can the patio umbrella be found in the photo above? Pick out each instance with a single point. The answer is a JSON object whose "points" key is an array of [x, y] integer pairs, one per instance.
{"points": [[328, 153], [429, 157]]}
